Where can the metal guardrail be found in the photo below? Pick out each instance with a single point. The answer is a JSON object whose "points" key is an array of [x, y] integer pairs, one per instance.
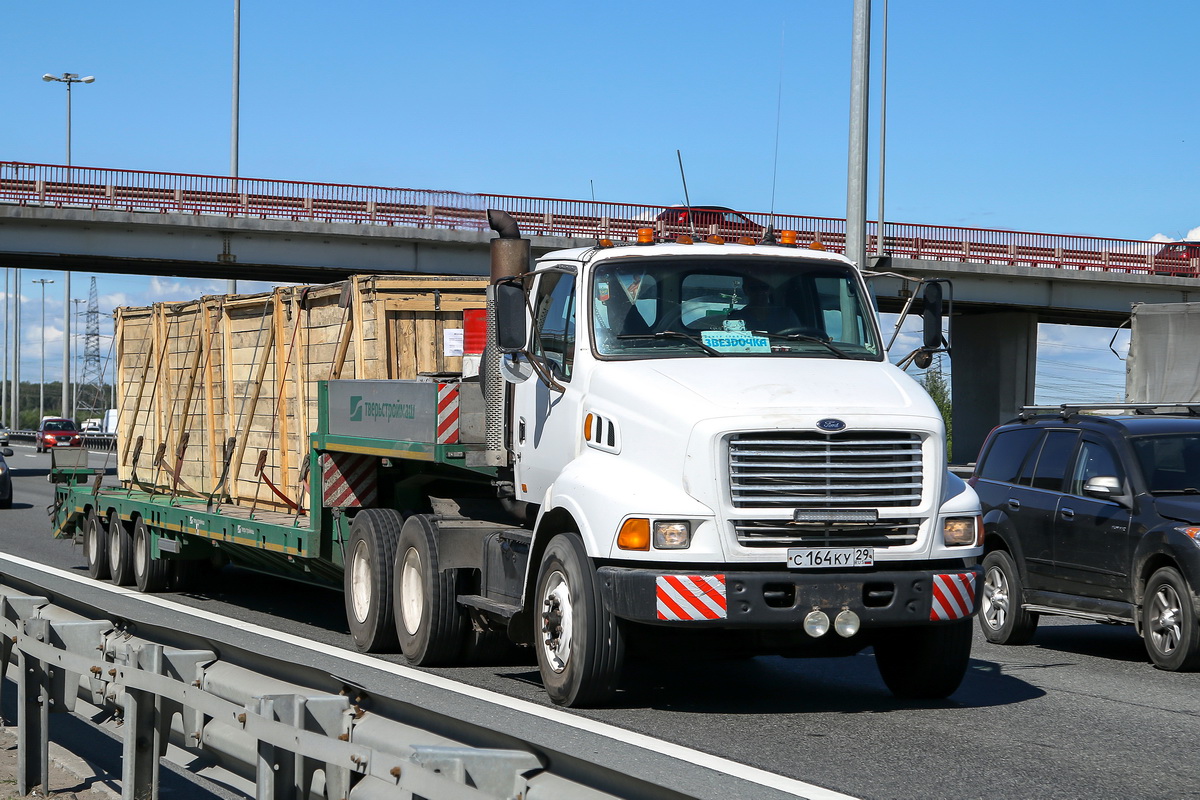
{"points": [[92, 441], [135, 190], [271, 716]]}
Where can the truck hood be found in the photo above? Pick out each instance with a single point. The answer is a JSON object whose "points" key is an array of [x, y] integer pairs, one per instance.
{"points": [[729, 386]]}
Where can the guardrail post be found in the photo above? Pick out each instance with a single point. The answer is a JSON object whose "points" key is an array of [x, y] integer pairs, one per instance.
{"points": [[143, 734], [33, 714], [275, 772]]}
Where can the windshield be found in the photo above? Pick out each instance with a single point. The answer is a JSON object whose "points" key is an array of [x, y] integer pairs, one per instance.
{"points": [[58, 425], [707, 307], [1170, 463]]}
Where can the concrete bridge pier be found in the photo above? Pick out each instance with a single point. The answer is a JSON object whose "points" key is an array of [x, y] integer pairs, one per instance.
{"points": [[992, 374]]}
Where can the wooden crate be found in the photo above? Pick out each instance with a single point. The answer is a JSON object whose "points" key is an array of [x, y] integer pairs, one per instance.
{"points": [[239, 373]]}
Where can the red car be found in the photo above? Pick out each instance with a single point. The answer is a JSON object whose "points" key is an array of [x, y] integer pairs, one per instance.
{"points": [[57, 432], [679, 219], [1177, 258]]}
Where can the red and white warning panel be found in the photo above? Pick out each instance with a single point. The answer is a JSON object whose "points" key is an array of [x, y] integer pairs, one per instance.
{"points": [[348, 480], [690, 597], [953, 596], [447, 413]]}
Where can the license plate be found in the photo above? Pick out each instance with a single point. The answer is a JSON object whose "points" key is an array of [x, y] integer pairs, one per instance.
{"points": [[61, 444], [814, 557]]}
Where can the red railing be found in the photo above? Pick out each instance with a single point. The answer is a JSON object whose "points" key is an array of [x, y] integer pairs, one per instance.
{"points": [[161, 192]]}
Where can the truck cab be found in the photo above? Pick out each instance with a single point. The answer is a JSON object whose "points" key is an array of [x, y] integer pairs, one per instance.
{"points": [[717, 431]]}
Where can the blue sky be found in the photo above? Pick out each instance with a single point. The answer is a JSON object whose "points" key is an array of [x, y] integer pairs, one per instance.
{"points": [[1060, 117]]}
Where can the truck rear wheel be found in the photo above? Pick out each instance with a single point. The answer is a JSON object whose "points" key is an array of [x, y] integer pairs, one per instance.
{"points": [[149, 573], [120, 550], [95, 546], [925, 663], [368, 579], [430, 625], [580, 644]]}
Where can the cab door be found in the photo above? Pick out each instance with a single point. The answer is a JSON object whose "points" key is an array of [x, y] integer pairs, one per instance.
{"points": [[546, 419]]}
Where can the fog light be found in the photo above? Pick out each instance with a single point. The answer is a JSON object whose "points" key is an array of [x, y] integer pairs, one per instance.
{"points": [[847, 623], [959, 531], [816, 624], [672, 535]]}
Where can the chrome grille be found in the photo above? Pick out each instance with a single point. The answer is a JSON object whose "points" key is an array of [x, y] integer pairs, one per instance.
{"points": [[815, 470], [784, 533]]}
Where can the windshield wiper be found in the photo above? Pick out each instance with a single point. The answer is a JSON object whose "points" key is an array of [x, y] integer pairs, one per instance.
{"points": [[804, 337], [672, 335]]}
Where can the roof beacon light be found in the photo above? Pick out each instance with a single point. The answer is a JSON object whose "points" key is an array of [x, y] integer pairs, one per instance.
{"points": [[645, 235], [787, 238]]}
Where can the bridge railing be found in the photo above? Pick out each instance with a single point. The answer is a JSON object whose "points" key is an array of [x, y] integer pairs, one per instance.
{"points": [[179, 193]]}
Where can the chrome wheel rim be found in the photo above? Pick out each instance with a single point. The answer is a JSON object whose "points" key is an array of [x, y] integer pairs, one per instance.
{"points": [[360, 581], [557, 622], [1166, 619], [412, 592], [995, 598]]}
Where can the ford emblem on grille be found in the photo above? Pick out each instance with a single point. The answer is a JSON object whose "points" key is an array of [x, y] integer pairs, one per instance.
{"points": [[831, 425]]}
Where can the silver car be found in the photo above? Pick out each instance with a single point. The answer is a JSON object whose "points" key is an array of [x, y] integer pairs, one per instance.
{"points": [[6, 489], [3, 436]]}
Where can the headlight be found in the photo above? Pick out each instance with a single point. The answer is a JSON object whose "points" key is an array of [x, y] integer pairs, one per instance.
{"points": [[672, 535], [962, 531], [1192, 532]]}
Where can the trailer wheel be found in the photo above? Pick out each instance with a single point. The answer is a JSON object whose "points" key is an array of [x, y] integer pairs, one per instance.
{"points": [[430, 625], [149, 573], [120, 550], [368, 580], [926, 662], [580, 644], [95, 546]]}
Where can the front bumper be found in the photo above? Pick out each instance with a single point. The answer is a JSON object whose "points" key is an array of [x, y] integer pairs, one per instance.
{"points": [[783, 598]]}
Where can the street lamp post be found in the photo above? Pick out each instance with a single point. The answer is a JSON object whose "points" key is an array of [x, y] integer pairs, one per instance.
{"points": [[42, 379], [75, 378], [68, 78]]}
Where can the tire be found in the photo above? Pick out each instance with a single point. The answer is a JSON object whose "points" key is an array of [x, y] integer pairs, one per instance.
{"points": [[120, 550], [430, 626], [1169, 622], [95, 546], [149, 573], [580, 644], [1001, 617], [367, 579], [925, 663]]}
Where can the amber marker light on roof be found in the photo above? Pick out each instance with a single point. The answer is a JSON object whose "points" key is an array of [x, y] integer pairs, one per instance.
{"points": [[746, 240], [714, 239], [816, 246], [645, 235], [683, 238], [607, 243], [635, 534]]}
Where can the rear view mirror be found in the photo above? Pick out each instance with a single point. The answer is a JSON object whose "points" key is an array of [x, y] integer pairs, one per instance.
{"points": [[931, 316], [511, 333], [1104, 486]]}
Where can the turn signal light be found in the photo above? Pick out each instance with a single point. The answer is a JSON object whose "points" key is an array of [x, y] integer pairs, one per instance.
{"points": [[645, 235], [634, 534]]}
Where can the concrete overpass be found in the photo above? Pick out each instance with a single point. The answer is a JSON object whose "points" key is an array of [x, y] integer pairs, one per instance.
{"points": [[1003, 285]]}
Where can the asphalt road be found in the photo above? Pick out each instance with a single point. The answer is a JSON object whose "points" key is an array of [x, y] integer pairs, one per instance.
{"points": [[1078, 713]]}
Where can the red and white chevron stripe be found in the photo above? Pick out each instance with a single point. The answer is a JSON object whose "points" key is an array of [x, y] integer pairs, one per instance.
{"points": [[953, 596], [690, 597], [447, 414], [348, 480]]}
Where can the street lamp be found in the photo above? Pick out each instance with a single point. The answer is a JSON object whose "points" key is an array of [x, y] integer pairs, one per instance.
{"points": [[42, 396], [68, 78]]}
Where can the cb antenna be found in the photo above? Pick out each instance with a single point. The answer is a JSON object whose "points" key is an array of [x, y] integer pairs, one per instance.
{"points": [[769, 236], [686, 200]]}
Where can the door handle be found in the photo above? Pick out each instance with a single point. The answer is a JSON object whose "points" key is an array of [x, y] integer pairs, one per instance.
{"points": [[1014, 504], [1068, 513]]}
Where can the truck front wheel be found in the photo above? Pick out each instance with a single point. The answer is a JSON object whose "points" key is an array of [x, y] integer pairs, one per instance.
{"points": [[925, 663], [120, 551], [368, 579], [95, 546], [580, 644], [149, 573], [430, 625]]}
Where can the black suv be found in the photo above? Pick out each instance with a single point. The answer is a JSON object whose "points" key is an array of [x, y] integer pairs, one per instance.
{"points": [[1094, 517]]}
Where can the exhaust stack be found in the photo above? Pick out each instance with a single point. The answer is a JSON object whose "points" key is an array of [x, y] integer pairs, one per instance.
{"points": [[510, 257]]}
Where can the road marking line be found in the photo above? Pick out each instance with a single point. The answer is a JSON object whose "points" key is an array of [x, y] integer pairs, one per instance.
{"points": [[685, 754]]}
